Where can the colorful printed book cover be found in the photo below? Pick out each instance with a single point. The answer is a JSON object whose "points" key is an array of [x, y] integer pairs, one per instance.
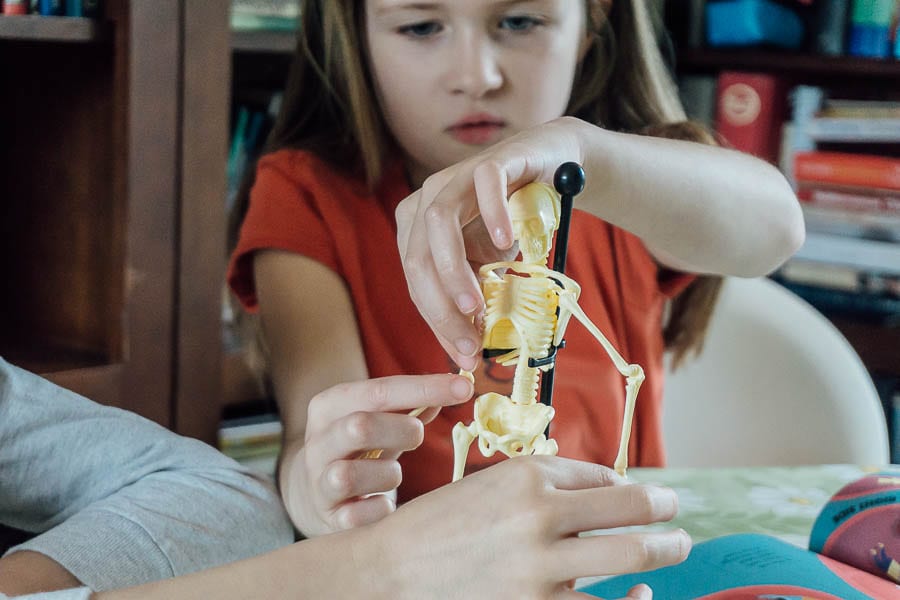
{"points": [[853, 555]]}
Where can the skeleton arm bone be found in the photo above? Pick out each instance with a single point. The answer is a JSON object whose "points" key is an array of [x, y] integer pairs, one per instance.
{"points": [[633, 373]]}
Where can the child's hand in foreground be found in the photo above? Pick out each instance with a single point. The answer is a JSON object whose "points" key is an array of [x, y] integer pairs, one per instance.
{"points": [[329, 484], [510, 531]]}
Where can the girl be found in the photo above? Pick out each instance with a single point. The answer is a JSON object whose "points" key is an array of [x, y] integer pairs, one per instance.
{"points": [[459, 102]]}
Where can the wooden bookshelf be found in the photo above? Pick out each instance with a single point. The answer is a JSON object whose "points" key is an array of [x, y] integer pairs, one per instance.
{"points": [[794, 64], [36, 28], [113, 169]]}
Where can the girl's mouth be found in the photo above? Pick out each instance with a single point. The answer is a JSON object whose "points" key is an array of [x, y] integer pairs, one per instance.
{"points": [[477, 129]]}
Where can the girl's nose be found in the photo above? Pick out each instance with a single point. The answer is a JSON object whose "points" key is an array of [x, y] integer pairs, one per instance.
{"points": [[475, 69]]}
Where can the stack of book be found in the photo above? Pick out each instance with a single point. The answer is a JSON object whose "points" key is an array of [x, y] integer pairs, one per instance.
{"points": [[851, 204], [863, 28], [253, 119], [253, 441], [53, 8], [265, 15]]}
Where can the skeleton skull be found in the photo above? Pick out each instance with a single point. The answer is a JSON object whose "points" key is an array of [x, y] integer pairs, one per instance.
{"points": [[534, 210]]}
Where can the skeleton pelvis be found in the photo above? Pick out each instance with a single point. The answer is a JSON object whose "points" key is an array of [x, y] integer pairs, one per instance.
{"points": [[513, 429]]}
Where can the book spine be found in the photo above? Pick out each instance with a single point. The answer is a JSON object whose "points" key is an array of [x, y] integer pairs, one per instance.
{"points": [[840, 168], [51, 8], [15, 7], [834, 277], [840, 301], [698, 95], [874, 256], [851, 199], [870, 26], [696, 27], [750, 111], [829, 27], [859, 129]]}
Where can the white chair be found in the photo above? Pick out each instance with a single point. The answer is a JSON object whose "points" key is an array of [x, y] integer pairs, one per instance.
{"points": [[776, 384]]}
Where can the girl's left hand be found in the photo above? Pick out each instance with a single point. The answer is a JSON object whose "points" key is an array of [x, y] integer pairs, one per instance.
{"points": [[458, 220]]}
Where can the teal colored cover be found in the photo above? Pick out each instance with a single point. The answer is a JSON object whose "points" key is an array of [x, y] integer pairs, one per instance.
{"points": [[752, 566], [872, 12]]}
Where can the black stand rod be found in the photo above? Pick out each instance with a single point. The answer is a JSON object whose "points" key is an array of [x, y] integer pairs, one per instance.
{"points": [[568, 181]]}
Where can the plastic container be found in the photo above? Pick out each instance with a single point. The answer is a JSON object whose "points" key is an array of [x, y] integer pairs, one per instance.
{"points": [[752, 23]]}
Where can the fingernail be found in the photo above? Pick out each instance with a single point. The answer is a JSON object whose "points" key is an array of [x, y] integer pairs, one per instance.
{"points": [[466, 303], [461, 388], [500, 238], [686, 542], [665, 500], [466, 346], [467, 363]]}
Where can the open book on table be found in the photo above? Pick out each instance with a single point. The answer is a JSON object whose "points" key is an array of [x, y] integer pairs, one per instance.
{"points": [[854, 553]]}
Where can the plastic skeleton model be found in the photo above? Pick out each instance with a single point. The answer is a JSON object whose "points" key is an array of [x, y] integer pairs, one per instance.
{"points": [[528, 307]]}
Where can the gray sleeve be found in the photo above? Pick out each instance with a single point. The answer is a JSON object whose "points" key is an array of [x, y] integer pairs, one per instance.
{"points": [[118, 500], [82, 593]]}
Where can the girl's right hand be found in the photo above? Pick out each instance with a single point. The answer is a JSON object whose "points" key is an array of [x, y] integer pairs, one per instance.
{"points": [[327, 485]]}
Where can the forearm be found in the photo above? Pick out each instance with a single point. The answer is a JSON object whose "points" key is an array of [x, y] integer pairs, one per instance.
{"points": [[341, 565], [697, 207]]}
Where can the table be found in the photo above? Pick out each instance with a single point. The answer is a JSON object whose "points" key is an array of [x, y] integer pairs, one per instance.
{"points": [[779, 501]]}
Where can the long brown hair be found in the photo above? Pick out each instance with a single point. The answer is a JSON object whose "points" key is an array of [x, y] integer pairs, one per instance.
{"points": [[329, 107]]}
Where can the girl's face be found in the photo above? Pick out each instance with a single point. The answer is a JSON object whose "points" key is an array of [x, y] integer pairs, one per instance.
{"points": [[455, 76]]}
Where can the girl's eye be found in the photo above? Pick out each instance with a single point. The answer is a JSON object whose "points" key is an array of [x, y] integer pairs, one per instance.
{"points": [[423, 29], [518, 23]]}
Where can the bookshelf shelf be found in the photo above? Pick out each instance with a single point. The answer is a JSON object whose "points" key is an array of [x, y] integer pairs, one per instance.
{"points": [[794, 64], [268, 42], [37, 28], [46, 357]]}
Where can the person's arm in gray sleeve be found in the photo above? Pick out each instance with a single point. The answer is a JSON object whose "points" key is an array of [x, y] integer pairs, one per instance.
{"points": [[82, 593], [119, 500]]}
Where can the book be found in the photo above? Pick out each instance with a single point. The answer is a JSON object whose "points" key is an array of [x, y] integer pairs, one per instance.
{"points": [[878, 289], [879, 309], [828, 30], [750, 110], [698, 95], [15, 7], [833, 277], [265, 15], [853, 554], [253, 441], [752, 23], [870, 28], [872, 225], [868, 109], [852, 200], [51, 8], [854, 129], [851, 169], [875, 256], [91, 9]]}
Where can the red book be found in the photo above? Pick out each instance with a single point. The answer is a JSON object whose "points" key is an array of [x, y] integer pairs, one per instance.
{"points": [[846, 198], [15, 7], [750, 110], [840, 168]]}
